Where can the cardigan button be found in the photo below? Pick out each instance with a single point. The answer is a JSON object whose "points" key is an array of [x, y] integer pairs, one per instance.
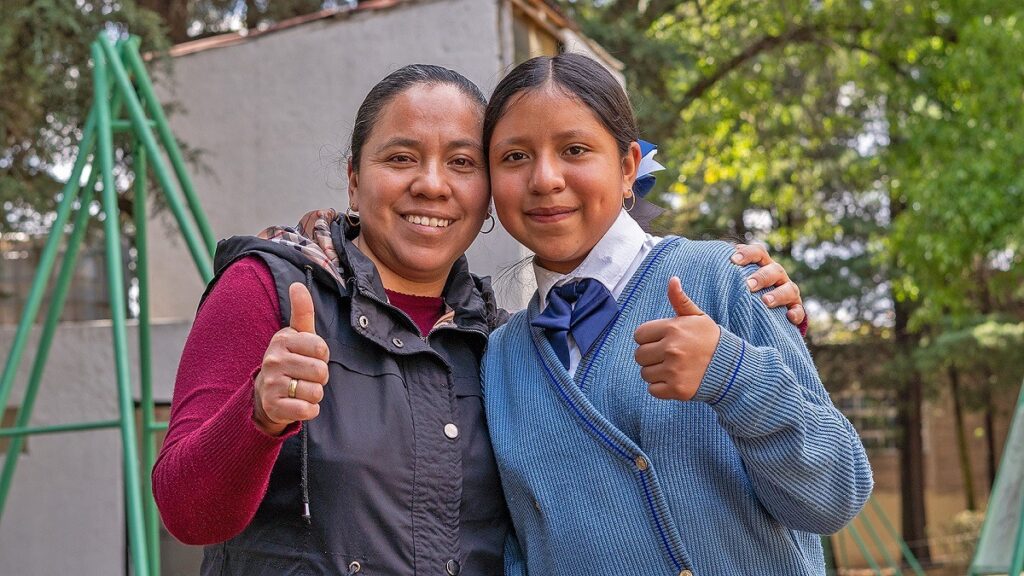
{"points": [[641, 463], [452, 567], [354, 567], [397, 342], [364, 321], [686, 573], [451, 431]]}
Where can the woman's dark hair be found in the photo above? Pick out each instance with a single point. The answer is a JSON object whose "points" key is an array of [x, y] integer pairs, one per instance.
{"points": [[576, 75], [396, 83]]}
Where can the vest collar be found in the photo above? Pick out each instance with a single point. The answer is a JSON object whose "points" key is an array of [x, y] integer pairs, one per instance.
{"points": [[471, 298]]}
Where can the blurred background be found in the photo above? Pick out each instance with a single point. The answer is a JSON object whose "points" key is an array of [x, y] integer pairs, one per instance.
{"points": [[875, 146]]}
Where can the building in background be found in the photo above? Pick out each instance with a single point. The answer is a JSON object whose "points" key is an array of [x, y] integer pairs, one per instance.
{"points": [[270, 112]]}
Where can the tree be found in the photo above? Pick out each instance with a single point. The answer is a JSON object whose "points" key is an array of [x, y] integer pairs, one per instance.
{"points": [[44, 51], [836, 132], [44, 55]]}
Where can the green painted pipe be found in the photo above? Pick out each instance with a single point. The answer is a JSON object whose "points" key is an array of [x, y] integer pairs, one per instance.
{"points": [[130, 54], [133, 492], [145, 366], [57, 300], [905, 550], [877, 541], [46, 261], [200, 253], [864, 549], [22, 431]]}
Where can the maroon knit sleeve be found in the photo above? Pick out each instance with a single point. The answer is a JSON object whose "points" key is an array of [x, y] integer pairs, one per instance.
{"points": [[215, 463]]}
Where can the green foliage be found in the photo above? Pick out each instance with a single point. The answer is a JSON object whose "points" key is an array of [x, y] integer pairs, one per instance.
{"points": [[47, 88], [955, 160], [47, 80], [874, 146], [986, 351]]}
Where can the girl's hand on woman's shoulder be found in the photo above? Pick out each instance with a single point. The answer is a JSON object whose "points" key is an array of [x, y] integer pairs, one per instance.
{"points": [[291, 381], [674, 353]]}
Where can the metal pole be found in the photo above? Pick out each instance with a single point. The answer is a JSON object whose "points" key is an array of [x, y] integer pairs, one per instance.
{"points": [[200, 253], [145, 367], [133, 492], [864, 549], [46, 262], [57, 299], [1017, 565], [130, 52], [877, 541], [59, 428], [842, 559], [908, 555], [46, 337]]}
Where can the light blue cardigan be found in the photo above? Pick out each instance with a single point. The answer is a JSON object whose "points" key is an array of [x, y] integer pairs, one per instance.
{"points": [[602, 478]]}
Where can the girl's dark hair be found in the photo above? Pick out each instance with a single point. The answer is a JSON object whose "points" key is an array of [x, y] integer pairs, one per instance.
{"points": [[396, 83], [576, 75]]}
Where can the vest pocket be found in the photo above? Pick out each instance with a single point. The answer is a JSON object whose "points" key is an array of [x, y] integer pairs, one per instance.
{"points": [[264, 559], [467, 386], [367, 360]]}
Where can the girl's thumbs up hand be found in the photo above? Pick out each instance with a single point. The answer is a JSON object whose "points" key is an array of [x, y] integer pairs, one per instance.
{"points": [[675, 352], [290, 384]]}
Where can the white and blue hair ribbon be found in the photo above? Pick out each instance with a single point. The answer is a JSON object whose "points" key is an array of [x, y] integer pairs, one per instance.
{"points": [[648, 165]]}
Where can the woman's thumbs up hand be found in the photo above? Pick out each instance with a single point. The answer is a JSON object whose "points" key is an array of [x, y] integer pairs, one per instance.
{"points": [[291, 381]]}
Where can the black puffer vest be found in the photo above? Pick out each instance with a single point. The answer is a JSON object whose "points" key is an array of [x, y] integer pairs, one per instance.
{"points": [[401, 477]]}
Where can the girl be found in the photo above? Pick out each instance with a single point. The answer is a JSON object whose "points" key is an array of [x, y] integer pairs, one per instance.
{"points": [[733, 459]]}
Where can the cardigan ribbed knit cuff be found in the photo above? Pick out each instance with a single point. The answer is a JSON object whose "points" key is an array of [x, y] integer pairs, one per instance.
{"points": [[733, 364]]}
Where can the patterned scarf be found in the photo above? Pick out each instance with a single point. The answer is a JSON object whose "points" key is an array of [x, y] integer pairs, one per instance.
{"points": [[312, 237]]}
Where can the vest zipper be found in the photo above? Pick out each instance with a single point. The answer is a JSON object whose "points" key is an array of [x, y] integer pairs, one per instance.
{"points": [[304, 433]]}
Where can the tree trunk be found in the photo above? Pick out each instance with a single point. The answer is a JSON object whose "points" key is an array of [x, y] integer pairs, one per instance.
{"points": [[961, 439], [175, 15], [912, 485], [991, 458]]}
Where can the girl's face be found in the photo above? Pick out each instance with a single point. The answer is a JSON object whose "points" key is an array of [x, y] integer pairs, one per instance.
{"points": [[421, 184], [557, 177]]}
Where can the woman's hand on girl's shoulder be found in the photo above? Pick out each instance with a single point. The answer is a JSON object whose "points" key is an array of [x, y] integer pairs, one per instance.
{"points": [[784, 291]]}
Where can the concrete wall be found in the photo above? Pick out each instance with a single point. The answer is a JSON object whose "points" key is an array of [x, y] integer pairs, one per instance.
{"points": [[272, 116], [65, 513]]}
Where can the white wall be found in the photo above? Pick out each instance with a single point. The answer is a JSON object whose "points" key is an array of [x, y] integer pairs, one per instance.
{"points": [[273, 114], [264, 112], [65, 513]]}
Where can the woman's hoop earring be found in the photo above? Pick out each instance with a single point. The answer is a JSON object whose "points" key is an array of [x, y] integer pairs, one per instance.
{"points": [[491, 218], [351, 217], [631, 205]]}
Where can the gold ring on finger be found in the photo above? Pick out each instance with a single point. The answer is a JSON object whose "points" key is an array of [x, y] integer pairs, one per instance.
{"points": [[292, 385]]}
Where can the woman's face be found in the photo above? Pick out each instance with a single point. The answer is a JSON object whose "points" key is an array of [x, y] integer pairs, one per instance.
{"points": [[421, 184], [557, 176]]}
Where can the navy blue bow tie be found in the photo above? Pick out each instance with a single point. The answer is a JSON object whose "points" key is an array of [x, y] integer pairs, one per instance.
{"points": [[594, 308]]}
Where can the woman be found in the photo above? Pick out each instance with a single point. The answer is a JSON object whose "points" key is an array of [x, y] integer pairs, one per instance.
{"points": [[636, 429], [377, 364], [327, 415]]}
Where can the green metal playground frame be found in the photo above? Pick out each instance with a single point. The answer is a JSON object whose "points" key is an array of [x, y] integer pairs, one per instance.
{"points": [[120, 83], [122, 86]]}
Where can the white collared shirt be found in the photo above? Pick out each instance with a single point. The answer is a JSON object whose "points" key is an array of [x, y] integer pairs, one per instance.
{"points": [[612, 262]]}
